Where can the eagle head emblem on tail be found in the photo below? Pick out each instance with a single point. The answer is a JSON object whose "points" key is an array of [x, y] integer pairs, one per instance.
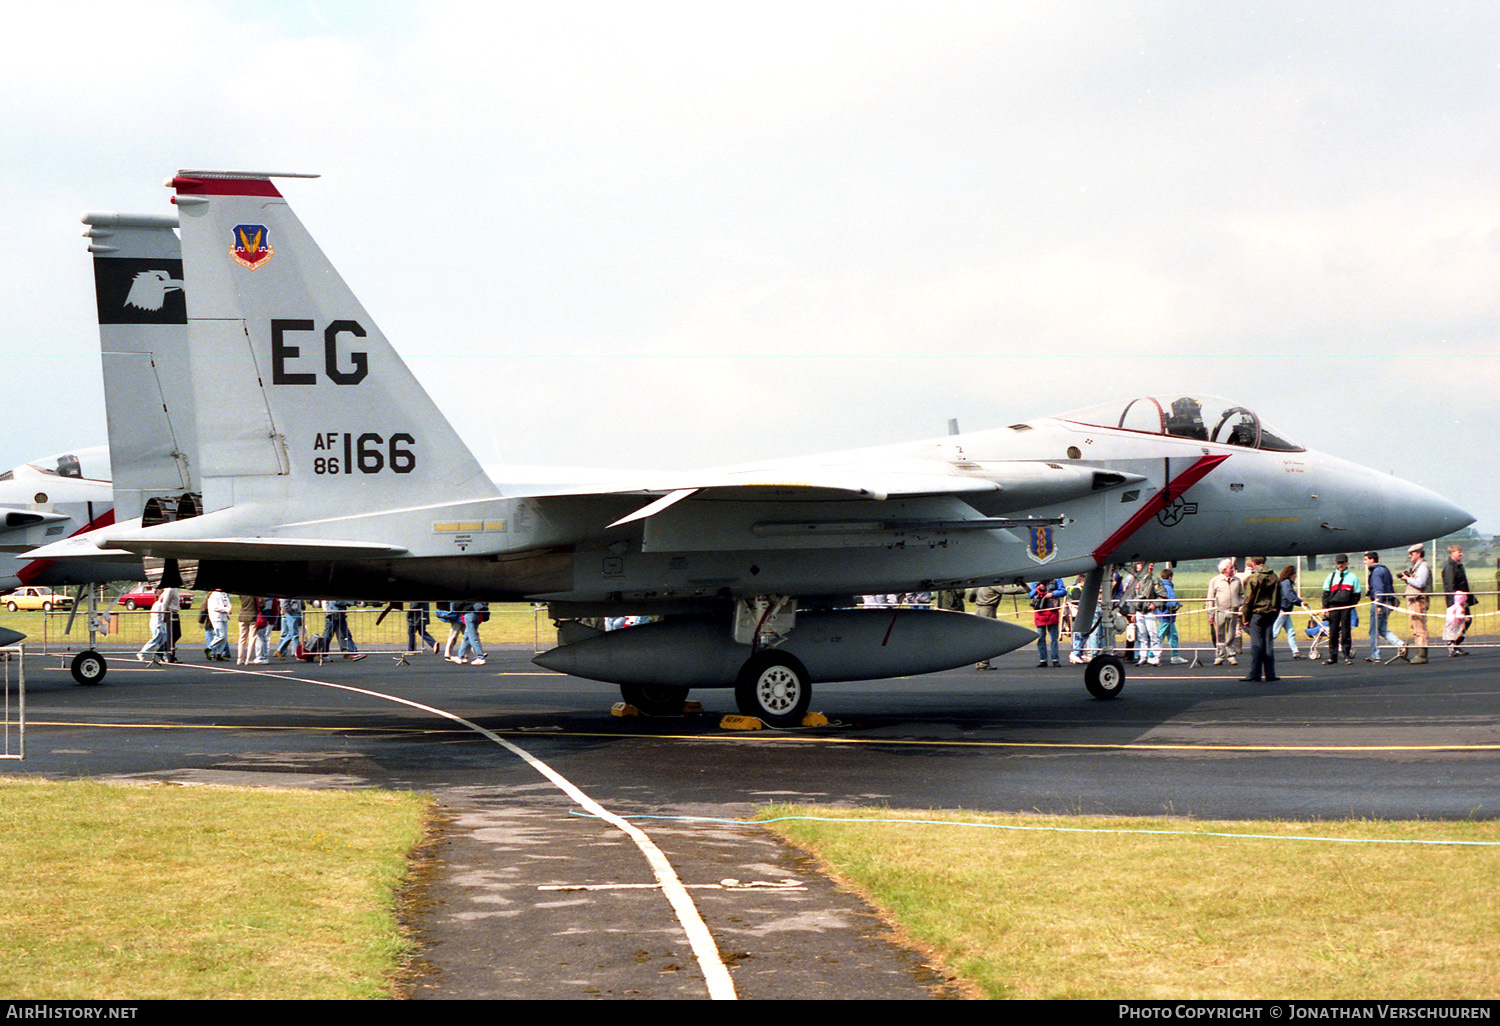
{"points": [[148, 291]]}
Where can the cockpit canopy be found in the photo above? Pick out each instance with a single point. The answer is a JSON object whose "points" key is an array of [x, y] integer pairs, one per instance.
{"points": [[1204, 418], [92, 464]]}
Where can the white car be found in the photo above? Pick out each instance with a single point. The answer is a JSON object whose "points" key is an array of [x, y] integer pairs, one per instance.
{"points": [[30, 597]]}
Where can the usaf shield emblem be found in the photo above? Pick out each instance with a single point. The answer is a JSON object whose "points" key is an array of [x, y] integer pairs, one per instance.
{"points": [[252, 245], [1041, 547]]}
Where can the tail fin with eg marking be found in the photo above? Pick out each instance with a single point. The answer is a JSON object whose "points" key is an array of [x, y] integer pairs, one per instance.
{"points": [[300, 402]]}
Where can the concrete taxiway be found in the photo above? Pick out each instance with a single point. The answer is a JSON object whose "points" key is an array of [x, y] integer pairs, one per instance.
{"points": [[530, 898]]}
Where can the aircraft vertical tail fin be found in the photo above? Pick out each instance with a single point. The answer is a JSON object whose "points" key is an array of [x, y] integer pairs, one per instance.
{"points": [[301, 404], [143, 341]]}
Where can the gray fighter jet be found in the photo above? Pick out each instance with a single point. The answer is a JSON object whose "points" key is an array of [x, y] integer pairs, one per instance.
{"points": [[326, 470]]}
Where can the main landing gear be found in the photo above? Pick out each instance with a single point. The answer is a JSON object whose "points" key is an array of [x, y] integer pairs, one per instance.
{"points": [[772, 687]]}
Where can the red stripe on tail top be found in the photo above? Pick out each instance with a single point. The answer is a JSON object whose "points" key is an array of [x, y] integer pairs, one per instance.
{"points": [[188, 186], [1158, 502]]}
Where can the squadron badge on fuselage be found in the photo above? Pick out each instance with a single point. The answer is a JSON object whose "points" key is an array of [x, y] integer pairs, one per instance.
{"points": [[1040, 545], [252, 246]]}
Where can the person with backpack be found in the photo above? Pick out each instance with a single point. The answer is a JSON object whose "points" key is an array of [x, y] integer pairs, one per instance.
{"points": [[1046, 602], [469, 649]]}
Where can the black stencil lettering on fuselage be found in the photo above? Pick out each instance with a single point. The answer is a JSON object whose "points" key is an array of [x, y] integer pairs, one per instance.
{"points": [[363, 452]]}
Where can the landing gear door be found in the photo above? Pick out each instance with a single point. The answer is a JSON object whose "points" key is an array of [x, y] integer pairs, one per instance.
{"points": [[765, 620]]}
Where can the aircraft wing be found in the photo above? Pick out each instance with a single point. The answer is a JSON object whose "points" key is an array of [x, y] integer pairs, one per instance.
{"points": [[1033, 482]]}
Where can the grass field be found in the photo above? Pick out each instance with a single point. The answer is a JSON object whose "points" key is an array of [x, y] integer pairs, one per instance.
{"points": [[162, 892], [1096, 908], [138, 892]]}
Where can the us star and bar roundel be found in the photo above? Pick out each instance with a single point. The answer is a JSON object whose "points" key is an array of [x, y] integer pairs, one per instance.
{"points": [[252, 245]]}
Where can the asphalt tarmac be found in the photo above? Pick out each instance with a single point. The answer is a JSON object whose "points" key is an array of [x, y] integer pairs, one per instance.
{"points": [[528, 896]]}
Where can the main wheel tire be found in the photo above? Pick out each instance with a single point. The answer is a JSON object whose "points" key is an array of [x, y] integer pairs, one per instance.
{"points": [[46, 607], [1104, 677], [10, 606], [88, 667], [130, 604], [774, 688], [655, 699]]}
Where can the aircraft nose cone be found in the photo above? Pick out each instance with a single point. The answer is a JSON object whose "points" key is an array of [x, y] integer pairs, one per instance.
{"points": [[1419, 514]]}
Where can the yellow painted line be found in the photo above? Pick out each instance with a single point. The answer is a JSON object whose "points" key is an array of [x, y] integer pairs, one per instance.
{"points": [[232, 726], [762, 737]]}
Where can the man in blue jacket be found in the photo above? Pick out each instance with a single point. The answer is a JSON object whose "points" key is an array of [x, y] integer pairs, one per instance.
{"points": [[1382, 589]]}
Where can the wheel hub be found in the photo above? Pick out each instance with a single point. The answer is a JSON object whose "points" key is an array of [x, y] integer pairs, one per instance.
{"points": [[778, 689]]}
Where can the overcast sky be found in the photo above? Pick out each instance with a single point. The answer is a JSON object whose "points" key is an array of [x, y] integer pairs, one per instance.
{"points": [[636, 234]]}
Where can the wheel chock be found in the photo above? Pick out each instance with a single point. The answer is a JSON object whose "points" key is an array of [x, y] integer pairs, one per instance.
{"points": [[623, 709], [813, 719], [734, 721]]}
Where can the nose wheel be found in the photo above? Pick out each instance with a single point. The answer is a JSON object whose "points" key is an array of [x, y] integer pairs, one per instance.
{"points": [[774, 689], [88, 667], [1104, 676]]}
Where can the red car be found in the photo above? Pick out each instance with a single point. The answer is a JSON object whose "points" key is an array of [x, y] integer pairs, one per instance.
{"points": [[143, 596]]}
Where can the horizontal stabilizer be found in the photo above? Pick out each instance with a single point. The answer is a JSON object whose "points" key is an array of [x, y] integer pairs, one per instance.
{"points": [[78, 548], [256, 548]]}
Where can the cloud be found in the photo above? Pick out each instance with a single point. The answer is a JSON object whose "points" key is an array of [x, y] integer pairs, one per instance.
{"points": [[683, 233]]}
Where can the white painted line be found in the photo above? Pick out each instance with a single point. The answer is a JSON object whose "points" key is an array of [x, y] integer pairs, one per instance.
{"points": [[727, 885], [715, 973]]}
